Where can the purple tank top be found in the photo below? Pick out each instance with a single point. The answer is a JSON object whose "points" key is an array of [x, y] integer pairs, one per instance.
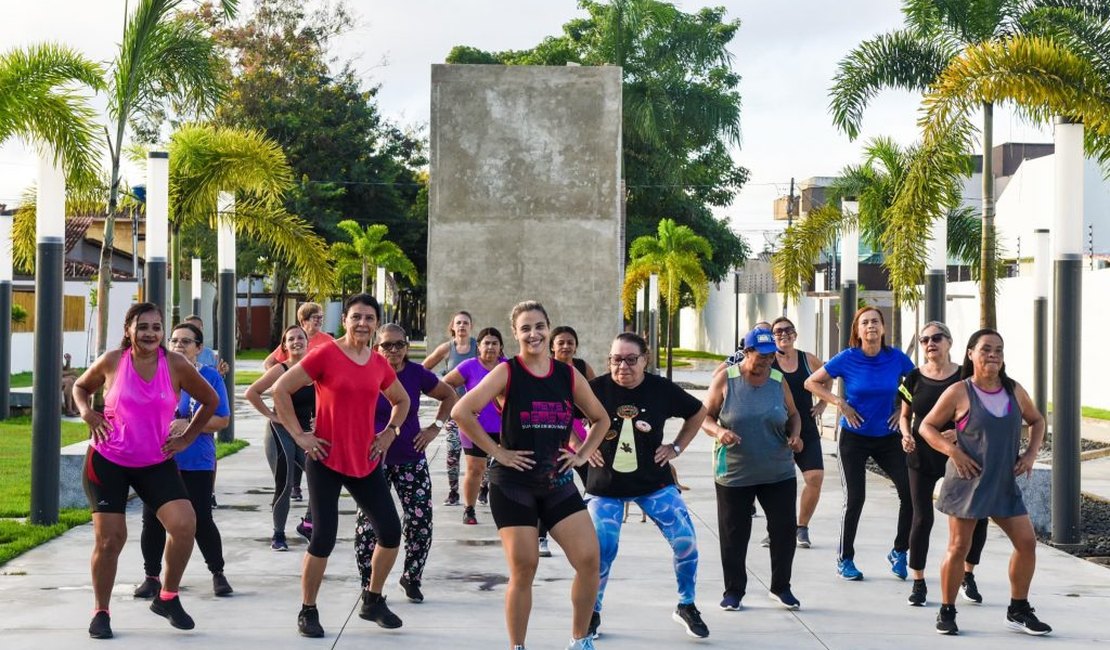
{"points": [[138, 414]]}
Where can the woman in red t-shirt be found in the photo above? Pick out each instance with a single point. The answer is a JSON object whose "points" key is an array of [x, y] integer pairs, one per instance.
{"points": [[310, 316], [345, 452]]}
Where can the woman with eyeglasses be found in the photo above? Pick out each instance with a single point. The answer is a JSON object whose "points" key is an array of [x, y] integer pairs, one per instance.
{"points": [[461, 347], [530, 478], [984, 460], [406, 466], [462, 378], [345, 450], [282, 453], [871, 372], [920, 391], [796, 366], [751, 415], [636, 467], [197, 466]]}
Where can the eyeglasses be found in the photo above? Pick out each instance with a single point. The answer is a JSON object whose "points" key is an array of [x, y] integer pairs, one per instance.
{"points": [[318, 318], [182, 341], [628, 360], [784, 332], [935, 338], [393, 346]]}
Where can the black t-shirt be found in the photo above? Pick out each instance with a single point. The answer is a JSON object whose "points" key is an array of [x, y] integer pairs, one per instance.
{"points": [[923, 396], [636, 430]]}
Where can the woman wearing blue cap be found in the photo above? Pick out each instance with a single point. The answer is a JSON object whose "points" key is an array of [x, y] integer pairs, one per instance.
{"points": [[752, 416]]}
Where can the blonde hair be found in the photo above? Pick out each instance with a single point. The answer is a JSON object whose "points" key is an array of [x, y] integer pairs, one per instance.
{"points": [[527, 305]]}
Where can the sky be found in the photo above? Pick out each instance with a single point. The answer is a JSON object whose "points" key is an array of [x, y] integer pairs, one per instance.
{"points": [[785, 51]]}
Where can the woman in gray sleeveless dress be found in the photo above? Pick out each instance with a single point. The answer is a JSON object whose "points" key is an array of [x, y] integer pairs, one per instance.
{"points": [[979, 481], [459, 348]]}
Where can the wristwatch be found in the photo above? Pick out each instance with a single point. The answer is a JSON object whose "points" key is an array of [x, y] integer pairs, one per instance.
{"points": [[677, 448], [439, 424], [396, 429]]}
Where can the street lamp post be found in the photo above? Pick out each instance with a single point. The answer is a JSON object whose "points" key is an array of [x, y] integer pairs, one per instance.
{"points": [[935, 278], [46, 423], [849, 271], [197, 286], [225, 260], [1042, 279], [653, 320], [5, 315], [1067, 234], [736, 290], [157, 226]]}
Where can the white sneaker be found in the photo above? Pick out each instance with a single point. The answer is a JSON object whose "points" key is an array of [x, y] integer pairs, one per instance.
{"points": [[586, 643], [545, 551]]}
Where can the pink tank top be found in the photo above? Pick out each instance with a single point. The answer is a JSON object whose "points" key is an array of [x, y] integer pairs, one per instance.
{"points": [[138, 414]]}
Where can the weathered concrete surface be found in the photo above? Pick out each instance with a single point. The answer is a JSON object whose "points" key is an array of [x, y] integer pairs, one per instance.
{"points": [[525, 197]]}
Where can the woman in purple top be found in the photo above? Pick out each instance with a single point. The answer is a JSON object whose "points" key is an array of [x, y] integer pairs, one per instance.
{"points": [[132, 448], [406, 466], [469, 374]]}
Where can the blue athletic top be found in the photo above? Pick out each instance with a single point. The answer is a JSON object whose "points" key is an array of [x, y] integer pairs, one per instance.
{"points": [[201, 455], [870, 386]]}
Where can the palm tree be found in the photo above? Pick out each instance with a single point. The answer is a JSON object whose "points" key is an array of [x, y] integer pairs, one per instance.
{"points": [[40, 104], [938, 36], [675, 254], [164, 55], [368, 249]]}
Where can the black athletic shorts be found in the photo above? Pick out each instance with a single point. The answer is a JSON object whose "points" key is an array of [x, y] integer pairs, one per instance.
{"points": [[515, 506], [107, 484], [810, 456], [477, 452]]}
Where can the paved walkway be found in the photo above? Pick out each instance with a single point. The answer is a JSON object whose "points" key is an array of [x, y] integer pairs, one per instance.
{"points": [[46, 595]]}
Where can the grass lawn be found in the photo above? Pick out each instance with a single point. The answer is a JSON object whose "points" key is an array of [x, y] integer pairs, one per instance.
{"points": [[694, 354], [246, 377], [258, 354], [228, 448], [21, 379], [1089, 412]]}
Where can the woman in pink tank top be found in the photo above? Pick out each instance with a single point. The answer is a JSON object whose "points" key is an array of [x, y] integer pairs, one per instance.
{"points": [[131, 448]]}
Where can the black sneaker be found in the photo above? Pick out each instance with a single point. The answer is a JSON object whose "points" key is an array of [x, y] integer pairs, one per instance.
{"points": [[595, 622], [296, 494], [786, 599], [150, 588], [1022, 619], [412, 590], [220, 586], [917, 593], [690, 618], [101, 626], [308, 623], [172, 610], [304, 529], [374, 609], [278, 542], [483, 496], [452, 499], [946, 621], [969, 590], [469, 517]]}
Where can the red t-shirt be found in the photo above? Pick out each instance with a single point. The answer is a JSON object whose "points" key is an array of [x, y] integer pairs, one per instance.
{"points": [[346, 398], [321, 337]]}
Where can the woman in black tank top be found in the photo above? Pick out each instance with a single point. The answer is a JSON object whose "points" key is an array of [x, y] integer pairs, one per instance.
{"points": [[530, 479]]}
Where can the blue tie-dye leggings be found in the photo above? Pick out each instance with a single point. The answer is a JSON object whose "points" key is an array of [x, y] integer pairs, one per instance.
{"points": [[667, 509]]}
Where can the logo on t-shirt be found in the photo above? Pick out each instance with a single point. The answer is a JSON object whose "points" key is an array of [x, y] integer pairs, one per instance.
{"points": [[547, 415]]}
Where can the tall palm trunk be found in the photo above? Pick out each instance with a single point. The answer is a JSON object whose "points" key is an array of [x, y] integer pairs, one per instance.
{"points": [[364, 271], [896, 321], [671, 315], [987, 264], [104, 272], [175, 274]]}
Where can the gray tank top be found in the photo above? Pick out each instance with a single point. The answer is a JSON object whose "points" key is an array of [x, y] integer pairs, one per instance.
{"points": [[758, 415], [993, 442], [454, 358]]}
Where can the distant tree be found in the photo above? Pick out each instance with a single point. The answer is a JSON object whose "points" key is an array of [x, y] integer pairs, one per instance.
{"points": [[368, 249]]}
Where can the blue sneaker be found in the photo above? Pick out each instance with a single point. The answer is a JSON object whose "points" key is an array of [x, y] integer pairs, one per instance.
{"points": [[731, 603], [897, 561], [847, 570]]}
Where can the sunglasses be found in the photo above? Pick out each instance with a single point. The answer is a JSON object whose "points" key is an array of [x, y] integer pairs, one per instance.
{"points": [[393, 347], [785, 331], [628, 360], [935, 338], [182, 341]]}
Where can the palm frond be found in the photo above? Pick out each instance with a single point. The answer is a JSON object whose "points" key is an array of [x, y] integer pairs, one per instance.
{"points": [[801, 246], [290, 237]]}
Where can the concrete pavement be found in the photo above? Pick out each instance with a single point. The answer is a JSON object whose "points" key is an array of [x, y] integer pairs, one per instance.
{"points": [[46, 594]]}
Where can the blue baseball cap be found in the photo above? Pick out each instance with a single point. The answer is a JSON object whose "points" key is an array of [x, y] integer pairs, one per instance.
{"points": [[762, 340]]}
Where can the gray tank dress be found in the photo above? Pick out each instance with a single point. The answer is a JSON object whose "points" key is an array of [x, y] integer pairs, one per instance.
{"points": [[994, 443]]}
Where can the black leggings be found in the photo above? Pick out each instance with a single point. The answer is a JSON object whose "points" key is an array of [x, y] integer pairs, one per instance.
{"points": [[853, 452], [921, 491], [734, 523], [152, 541], [370, 492]]}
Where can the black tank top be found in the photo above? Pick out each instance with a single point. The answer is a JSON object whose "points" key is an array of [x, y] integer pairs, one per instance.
{"points": [[803, 399], [924, 393], [304, 403], [537, 417]]}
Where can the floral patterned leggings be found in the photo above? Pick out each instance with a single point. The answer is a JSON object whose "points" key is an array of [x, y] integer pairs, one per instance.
{"points": [[454, 455], [413, 485]]}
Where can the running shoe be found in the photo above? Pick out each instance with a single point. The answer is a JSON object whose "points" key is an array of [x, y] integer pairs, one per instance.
{"points": [[101, 626], [917, 594], [585, 643], [469, 518], [150, 588], [898, 561], [595, 622], [213, 501], [765, 542], [412, 590], [1022, 619], [969, 590], [803, 537], [452, 499], [483, 496], [304, 529], [173, 611], [374, 609], [278, 543], [308, 623], [296, 494], [847, 570], [731, 603], [220, 586], [946, 620], [786, 599], [690, 618], [545, 550]]}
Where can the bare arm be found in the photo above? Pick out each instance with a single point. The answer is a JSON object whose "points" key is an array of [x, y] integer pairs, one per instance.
{"points": [[1036, 423], [288, 383], [258, 388], [793, 420], [816, 364], [714, 400], [666, 453], [588, 403], [270, 361], [447, 398], [397, 396], [189, 380], [437, 355], [92, 380], [590, 374], [819, 384], [952, 401], [454, 379], [904, 423]]}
